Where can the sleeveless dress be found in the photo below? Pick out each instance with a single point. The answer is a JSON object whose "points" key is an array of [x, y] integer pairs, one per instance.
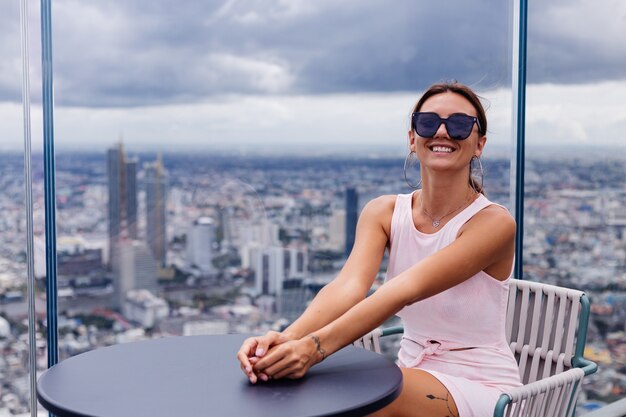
{"points": [[469, 315]]}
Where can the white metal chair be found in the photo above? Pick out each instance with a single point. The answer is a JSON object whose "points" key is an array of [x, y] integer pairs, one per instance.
{"points": [[546, 327]]}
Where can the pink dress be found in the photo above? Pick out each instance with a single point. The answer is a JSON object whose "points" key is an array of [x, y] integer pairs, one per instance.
{"points": [[469, 315]]}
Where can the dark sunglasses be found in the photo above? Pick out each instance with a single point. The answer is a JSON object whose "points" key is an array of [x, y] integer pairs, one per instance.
{"points": [[459, 126]]}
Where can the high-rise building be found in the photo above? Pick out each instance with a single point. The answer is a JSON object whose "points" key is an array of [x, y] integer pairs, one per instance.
{"points": [[275, 265], [156, 197], [122, 204], [134, 268], [337, 229], [200, 243], [352, 203], [295, 262], [269, 270]]}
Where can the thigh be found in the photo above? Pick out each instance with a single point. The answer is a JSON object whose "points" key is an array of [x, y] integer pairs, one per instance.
{"points": [[422, 396]]}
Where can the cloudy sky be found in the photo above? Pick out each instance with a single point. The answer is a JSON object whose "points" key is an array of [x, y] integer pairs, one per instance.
{"points": [[288, 74]]}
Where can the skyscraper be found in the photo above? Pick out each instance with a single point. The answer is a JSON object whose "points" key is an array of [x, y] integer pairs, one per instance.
{"points": [[134, 268], [275, 265], [200, 244], [122, 205], [337, 229], [156, 189], [352, 202]]}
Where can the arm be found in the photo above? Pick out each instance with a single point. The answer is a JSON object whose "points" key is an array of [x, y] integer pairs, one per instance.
{"points": [[356, 276], [345, 291], [473, 251]]}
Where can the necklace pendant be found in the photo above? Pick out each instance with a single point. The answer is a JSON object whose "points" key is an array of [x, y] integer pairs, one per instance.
{"points": [[436, 223]]}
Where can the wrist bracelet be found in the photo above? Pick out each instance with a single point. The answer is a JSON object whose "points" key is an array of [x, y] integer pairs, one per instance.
{"points": [[318, 346]]}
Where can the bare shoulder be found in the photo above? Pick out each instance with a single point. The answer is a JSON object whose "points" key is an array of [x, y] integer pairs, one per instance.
{"points": [[379, 211], [382, 204], [494, 218]]}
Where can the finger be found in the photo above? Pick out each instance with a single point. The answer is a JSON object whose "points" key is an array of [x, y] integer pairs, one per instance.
{"points": [[281, 367], [273, 356], [244, 354], [247, 347], [244, 363], [287, 367], [264, 343], [253, 378], [293, 369]]}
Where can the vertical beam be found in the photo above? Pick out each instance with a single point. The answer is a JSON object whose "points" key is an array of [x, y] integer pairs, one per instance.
{"points": [[49, 185], [28, 203], [519, 122]]}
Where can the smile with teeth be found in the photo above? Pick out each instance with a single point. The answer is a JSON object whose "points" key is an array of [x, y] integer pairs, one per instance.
{"points": [[439, 148]]}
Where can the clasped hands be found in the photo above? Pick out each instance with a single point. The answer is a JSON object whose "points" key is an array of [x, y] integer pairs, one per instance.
{"points": [[276, 355]]}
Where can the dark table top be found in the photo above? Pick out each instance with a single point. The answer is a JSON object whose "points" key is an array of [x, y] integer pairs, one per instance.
{"points": [[197, 376]]}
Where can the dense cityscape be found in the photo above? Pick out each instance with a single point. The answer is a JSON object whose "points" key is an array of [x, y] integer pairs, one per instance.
{"points": [[160, 245]]}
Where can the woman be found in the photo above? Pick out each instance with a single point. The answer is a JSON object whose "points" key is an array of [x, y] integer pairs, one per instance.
{"points": [[450, 257]]}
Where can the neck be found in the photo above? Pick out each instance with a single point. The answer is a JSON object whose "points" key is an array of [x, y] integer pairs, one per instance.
{"points": [[440, 195]]}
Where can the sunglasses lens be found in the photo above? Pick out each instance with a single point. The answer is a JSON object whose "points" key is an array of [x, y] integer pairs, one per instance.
{"points": [[426, 124], [459, 126]]}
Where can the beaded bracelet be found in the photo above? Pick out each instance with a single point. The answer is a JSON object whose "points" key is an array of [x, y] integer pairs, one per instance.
{"points": [[318, 346]]}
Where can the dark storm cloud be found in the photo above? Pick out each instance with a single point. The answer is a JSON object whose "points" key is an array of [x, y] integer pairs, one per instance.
{"points": [[127, 53]]}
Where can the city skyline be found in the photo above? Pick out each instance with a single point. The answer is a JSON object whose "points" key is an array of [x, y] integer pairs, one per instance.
{"points": [[575, 236]]}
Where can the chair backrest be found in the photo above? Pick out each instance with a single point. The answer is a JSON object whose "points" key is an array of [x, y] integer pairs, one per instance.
{"points": [[544, 328]]}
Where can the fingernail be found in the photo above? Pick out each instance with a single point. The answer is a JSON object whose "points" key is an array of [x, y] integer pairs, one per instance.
{"points": [[252, 379], [248, 369], [263, 377], [260, 352]]}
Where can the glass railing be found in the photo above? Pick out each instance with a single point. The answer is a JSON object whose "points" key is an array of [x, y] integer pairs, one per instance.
{"points": [[575, 179]]}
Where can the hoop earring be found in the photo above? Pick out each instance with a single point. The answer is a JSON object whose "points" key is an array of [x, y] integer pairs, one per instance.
{"points": [[476, 173], [410, 162]]}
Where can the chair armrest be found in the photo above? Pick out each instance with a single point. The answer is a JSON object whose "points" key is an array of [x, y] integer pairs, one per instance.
{"points": [[371, 341], [548, 397], [586, 365], [393, 330]]}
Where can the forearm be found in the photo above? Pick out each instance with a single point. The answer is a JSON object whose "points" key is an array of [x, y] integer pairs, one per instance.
{"points": [[294, 357], [330, 303], [363, 317]]}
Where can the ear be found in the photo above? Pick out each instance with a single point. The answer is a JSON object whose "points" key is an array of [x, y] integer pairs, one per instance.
{"points": [[411, 138], [480, 144]]}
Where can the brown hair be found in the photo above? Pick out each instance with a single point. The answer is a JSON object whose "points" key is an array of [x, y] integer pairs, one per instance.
{"points": [[469, 95]]}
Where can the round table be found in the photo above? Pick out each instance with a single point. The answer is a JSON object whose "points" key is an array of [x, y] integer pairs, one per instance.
{"points": [[195, 376]]}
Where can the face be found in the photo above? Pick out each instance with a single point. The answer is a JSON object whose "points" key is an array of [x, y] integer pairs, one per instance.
{"points": [[440, 150]]}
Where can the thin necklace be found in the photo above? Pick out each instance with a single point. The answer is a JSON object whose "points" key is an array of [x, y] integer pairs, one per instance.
{"points": [[437, 222]]}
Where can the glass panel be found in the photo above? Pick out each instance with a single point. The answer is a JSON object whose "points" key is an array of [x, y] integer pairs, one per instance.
{"points": [[575, 178], [217, 155], [15, 393]]}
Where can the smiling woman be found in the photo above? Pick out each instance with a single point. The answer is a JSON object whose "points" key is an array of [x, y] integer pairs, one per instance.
{"points": [[450, 260]]}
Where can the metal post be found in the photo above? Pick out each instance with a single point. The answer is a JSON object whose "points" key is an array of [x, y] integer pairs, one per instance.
{"points": [[49, 186], [519, 119], [28, 194]]}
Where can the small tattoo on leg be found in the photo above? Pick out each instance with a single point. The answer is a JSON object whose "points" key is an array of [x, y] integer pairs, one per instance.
{"points": [[447, 399]]}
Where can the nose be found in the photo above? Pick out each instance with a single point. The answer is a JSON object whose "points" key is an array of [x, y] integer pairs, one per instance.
{"points": [[442, 131]]}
